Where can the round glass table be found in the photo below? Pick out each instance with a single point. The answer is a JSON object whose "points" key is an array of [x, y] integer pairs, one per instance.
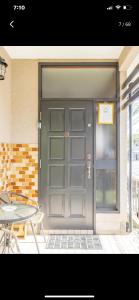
{"points": [[10, 214], [14, 213]]}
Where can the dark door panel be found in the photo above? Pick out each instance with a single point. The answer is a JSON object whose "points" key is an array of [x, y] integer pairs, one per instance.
{"points": [[66, 173]]}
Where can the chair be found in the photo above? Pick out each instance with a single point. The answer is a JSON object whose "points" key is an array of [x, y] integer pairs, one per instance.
{"points": [[36, 220], [6, 241]]}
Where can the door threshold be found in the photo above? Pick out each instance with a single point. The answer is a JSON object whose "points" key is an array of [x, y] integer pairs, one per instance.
{"points": [[68, 231]]}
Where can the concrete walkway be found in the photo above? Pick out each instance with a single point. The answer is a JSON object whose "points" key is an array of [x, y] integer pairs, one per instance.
{"points": [[111, 244]]}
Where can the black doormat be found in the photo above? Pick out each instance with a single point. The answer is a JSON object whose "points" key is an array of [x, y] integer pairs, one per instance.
{"points": [[73, 242]]}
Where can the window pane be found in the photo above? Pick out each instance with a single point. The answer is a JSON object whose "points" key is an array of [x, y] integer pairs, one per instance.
{"points": [[135, 156], [78, 82], [106, 189], [105, 141]]}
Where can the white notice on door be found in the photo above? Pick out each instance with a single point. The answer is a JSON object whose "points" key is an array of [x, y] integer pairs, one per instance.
{"points": [[105, 113]]}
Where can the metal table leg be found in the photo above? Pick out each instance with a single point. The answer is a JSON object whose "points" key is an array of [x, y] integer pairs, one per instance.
{"points": [[1, 238], [6, 241], [42, 229], [16, 243], [33, 231]]}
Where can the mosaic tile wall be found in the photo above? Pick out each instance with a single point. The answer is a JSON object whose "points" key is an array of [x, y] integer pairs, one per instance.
{"points": [[24, 177], [5, 166], [19, 169]]}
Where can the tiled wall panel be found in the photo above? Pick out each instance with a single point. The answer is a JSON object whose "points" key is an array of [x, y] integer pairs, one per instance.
{"points": [[19, 169], [5, 166]]}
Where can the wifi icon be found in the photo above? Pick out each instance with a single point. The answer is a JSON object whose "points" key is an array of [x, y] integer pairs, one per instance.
{"points": [[118, 6]]}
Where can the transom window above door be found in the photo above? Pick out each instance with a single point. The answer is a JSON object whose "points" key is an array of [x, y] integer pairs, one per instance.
{"points": [[78, 82]]}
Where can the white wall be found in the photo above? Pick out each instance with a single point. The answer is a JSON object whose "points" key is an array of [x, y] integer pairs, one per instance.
{"points": [[24, 101], [5, 101], [133, 65]]}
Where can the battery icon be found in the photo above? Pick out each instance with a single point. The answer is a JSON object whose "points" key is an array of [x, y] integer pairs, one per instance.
{"points": [[127, 7]]}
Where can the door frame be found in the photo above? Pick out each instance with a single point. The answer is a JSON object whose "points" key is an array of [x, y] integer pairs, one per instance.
{"points": [[116, 100]]}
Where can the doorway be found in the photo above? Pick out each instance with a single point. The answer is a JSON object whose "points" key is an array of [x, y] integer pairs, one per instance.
{"points": [[66, 171], [79, 158]]}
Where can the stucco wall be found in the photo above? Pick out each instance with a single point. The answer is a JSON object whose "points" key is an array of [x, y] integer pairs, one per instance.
{"points": [[24, 101], [5, 101], [5, 124]]}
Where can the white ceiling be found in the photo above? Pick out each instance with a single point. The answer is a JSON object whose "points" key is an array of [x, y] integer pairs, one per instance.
{"points": [[64, 52]]}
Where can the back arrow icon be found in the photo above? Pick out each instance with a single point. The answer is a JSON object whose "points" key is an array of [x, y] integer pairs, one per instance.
{"points": [[11, 24]]}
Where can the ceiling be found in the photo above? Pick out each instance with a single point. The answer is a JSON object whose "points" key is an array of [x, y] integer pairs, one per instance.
{"points": [[64, 52]]}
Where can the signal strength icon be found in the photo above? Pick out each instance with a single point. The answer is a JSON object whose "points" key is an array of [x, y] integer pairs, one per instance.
{"points": [[110, 8], [118, 6]]}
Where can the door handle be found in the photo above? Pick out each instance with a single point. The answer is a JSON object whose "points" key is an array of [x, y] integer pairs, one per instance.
{"points": [[89, 169], [66, 134]]}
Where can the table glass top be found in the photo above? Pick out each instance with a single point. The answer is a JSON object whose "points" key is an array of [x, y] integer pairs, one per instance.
{"points": [[16, 212]]}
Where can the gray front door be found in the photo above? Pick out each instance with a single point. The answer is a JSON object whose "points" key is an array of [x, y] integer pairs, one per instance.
{"points": [[66, 164]]}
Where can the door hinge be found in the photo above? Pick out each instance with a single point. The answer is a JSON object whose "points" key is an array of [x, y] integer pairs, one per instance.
{"points": [[40, 163], [39, 125]]}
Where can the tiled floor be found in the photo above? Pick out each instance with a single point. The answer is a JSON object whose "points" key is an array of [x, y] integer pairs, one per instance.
{"points": [[111, 244]]}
